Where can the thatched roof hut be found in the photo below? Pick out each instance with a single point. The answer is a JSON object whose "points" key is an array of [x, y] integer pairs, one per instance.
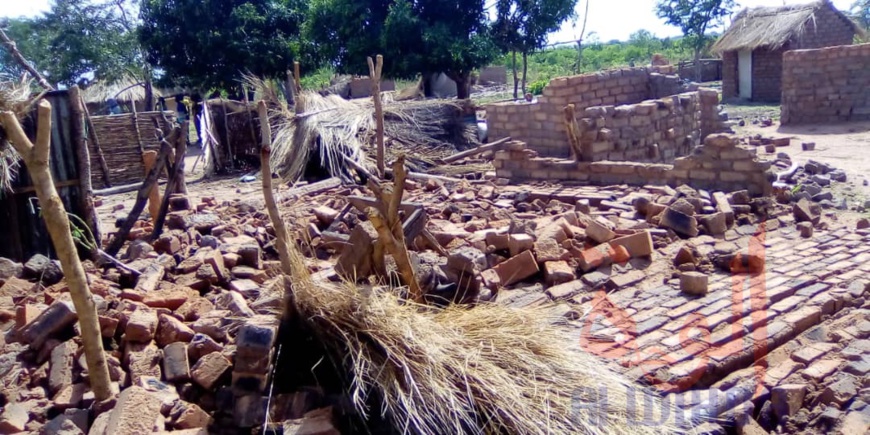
{"points": [[752, 46], [128, 92]]}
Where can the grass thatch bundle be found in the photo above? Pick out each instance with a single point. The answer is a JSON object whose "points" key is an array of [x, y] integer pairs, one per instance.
{"points": [[14, 97], [336, 128], [488, 369]]}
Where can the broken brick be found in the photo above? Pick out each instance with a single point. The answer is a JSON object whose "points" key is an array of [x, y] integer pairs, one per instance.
{"points": [[557, 272], [638, 245], [517, 268], [209, 369]]}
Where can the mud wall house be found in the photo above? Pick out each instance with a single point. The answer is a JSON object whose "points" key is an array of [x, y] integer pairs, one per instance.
{"points": [[753, 46]]}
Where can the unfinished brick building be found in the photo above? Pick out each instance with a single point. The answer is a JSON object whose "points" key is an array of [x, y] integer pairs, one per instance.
{"points": [[608, 102], [752, 48]]}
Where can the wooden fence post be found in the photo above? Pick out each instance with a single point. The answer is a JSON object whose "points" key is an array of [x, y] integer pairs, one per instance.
{"points": [[375, 76]]}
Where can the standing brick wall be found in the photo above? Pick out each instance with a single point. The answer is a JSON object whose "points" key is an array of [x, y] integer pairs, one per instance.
{"points": [[767, 75], [541, 124], [729, 75], [826, 29], [719, 164], [651, 131], [826, 85]]}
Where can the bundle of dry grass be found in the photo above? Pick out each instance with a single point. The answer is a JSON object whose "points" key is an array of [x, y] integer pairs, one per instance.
{"points": [[14, 97], [336, 129], [487, 369]]}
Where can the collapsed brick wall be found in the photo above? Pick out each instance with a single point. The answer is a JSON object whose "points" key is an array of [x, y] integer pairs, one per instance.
{"points": [[541, 124], [719, 164], [651, 131], [826, 85]]}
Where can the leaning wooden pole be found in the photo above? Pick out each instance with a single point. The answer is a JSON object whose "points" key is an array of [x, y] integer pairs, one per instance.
{"points": [[83, 156], [375, 75], [13, 49], [36, 157], [268, 195]]}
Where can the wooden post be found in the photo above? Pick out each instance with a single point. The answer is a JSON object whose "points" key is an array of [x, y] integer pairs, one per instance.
{"points": [[375, 76], [176, 171], [150, 158], [92, 134], [282, 242], [290, 89], [141, 198], [227, 133], [181, 147], [573, 131], [297, 77], [84, 165], [37, 157]]}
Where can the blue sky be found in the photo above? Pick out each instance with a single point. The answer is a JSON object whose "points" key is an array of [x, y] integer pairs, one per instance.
{"points": [[609, 19]]}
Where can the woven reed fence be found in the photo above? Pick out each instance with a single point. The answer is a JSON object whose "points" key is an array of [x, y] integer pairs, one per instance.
{"points": [[121, 139]]}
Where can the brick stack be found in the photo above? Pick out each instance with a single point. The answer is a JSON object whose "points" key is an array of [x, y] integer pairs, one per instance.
{"points": [[719, 164], [651, 131], [541, 124], [826, 85]]}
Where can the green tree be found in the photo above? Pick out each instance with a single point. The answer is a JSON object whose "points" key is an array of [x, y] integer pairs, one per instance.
{"points": [[861, 13], [81, 37], [523, 25], [694, 18], [419, 37], [31, 42], [211, 43]]}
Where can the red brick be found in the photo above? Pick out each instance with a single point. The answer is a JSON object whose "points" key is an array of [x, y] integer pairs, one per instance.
{"points": [[517, 268]]}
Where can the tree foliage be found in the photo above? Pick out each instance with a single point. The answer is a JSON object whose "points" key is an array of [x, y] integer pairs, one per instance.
{"points": [[80, 37], [422, 36], [861, 13], [211, 43], [694, 18]]}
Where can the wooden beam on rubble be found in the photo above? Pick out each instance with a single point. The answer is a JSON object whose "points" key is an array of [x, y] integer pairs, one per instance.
{"points": [[475, 151]]}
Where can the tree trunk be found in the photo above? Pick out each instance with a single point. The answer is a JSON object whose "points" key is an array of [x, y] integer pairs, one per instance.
{"points": [[149, 93], [282, 242], [37, 158], [461, 79], [525, 69], [698, 64], [516, 77]]}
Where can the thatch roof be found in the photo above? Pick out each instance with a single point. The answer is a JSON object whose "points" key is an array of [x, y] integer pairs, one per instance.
{"points": [[14, 97], [126, 89], [773, 27]]}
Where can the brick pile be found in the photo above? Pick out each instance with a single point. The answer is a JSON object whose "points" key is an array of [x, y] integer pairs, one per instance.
{"points": [[542, 124], [826, 85], [720, 164], [189, 327]]}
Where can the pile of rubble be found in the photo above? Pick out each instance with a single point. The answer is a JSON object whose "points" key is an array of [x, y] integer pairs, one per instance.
{"points": [[189, 325]]}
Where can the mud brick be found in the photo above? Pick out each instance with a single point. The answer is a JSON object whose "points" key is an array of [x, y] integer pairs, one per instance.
{"points": [[249, 410], [150, 278], [171, 330], [235, 303], [813, 290], [498, 241], [194, 308], [693, 283], [170, 297], [251, 255], [813, 351], [825, 302], [59, 315], [721, 305], [189, 416], [788, 304], [216, 260], [651, 324], [682, 376], [142, 360], [787, 399], [518, 243], [803, 318], [517, 268], [685, 307], [557, 272], [568, 289], [209, 369], [246, 287], [135, 412], [60, 372], [774, 375], [627, 279], [14, 418], [598, 232], [108, 326], [141, 325], [820, 370], [779, 293], [201, 345], [176, 365], [257, 336]]}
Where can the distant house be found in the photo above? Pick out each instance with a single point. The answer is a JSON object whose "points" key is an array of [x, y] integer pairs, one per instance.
{"points": [[121, 96], [752, 47]]}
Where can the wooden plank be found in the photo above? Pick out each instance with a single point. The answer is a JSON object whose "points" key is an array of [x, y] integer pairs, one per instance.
{"points": [[311, 189], [475, 151]]}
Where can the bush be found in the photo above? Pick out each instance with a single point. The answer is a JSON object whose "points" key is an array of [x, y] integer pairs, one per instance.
{"points": [[537, 87]]}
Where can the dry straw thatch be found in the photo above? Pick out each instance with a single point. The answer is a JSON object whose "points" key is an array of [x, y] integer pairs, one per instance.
{"points": [[773, 27], [126, 89], [487, 369], [337, 128], [14, 97]]}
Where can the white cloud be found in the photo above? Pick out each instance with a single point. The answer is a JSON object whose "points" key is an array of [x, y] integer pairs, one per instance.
{"points": [[22, 8]]}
